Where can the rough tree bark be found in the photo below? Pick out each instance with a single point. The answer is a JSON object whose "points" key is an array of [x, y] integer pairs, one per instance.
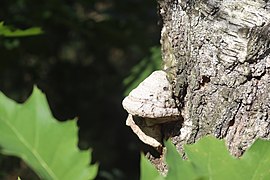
{"points": [[216, 55]]}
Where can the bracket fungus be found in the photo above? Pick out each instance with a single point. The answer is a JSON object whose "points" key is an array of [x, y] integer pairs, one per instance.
{"points": [[150, 105]]}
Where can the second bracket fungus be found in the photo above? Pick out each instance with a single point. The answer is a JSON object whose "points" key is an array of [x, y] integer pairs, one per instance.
{"points": [[149, 105]]}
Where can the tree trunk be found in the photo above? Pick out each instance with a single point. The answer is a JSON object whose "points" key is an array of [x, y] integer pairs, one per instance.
{"points": [[216, 55]]}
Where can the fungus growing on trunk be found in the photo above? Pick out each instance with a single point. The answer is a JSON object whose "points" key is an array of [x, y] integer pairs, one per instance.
{"points": [[149, 105]]}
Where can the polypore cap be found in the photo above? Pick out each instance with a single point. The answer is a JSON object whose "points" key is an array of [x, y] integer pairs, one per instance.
{"points": [[152, 98]]}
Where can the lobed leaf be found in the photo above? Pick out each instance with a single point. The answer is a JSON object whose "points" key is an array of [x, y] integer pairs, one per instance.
{"points": [[48, 146], [178, 168], [148, 171], [256, 160], [212, 160], [209, 159]]}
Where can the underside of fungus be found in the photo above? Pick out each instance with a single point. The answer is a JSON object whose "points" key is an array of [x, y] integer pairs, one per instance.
{"points": [[150, 135], [149, 105]]}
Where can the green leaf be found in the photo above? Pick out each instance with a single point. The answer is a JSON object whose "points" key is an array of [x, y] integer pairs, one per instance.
{"points": [[178, 168], [209, 159], [212, 160], [143, 69], [148, 171], [48, 146], [9, 32], [256, 160]]}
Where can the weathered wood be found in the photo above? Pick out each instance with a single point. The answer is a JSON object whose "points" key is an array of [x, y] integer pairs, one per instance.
{"points": [[216, 53]]}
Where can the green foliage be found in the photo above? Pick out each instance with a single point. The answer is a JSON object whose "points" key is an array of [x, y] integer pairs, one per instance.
{"points": [[7, 31], [148, 171], [256, 161], [209, 159], [48, 146], [177, 167], [143, 69]]}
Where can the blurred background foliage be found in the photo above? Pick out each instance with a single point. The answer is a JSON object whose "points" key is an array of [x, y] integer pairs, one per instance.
{"points": [[91, 53], [7, 31]]}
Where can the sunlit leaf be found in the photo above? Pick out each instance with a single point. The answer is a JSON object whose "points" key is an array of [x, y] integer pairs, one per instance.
{"points": [[48, 146], [209, 159], [256, 161], [178, 168], [148, 171]]}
